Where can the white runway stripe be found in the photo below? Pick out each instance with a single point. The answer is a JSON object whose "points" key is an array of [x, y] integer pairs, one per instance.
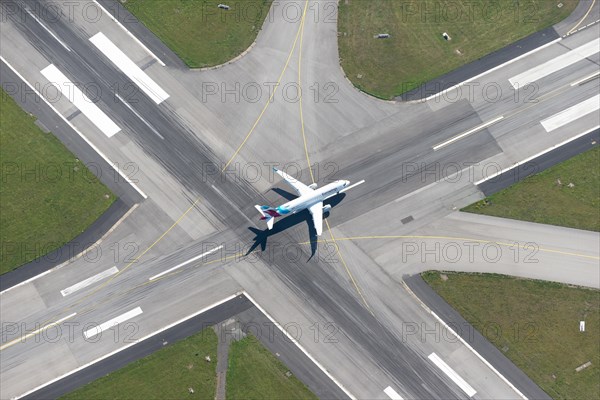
{"points": [[129, 68], [80, 100], [556, 64], [109, 324], [89, 281], [572, 113], [392, 394], [452, 375], [185, 263]]}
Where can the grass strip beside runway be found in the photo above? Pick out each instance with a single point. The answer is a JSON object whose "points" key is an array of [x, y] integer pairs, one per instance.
{"points": [[47, 196], [199, 32], [535, 324], [549, 198], [416, 52], [255, 373]]}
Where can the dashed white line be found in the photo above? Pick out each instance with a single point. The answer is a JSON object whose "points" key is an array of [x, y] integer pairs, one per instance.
{"points": [[467, 133], [392, 394], [468, 389], [130, 34], [80, 100], [139, 116], [89, 281], [81, 135], [185, 263], [30, 334], [129, 68], [47, 29], [587, 78], [109, 324], [572, 113]]}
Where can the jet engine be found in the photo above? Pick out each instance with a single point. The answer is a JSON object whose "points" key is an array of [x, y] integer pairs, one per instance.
{"points": [[312, 186], [326, 208]]}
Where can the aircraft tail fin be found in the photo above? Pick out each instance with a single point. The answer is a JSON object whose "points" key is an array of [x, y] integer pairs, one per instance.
{"points": [[267, 214]]}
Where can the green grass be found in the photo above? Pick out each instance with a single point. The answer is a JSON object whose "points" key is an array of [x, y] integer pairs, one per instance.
{"points": [[166, 374], [197, 31], [47, 196], [255, 373], [416, 51], [539, 198], [536, 324]]}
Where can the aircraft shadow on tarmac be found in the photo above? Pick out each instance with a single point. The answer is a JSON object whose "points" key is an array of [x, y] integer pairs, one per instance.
{"points": [[290, 221]]}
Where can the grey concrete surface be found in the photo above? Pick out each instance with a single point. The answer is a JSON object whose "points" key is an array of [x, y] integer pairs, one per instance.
{"points": [[349, 284]]}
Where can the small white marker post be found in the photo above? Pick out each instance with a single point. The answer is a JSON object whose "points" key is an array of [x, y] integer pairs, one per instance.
{"points": [[581, 326]]}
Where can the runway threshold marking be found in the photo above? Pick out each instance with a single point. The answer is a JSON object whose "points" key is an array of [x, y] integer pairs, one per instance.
{"points": [[129, 68], [557, 63], [47, 29], [541, 153], [272, 94], [30, 334], [456, 378], [110, 323], [89, 281], [302, 130], [467, 133], [142, 45], [392, 394], [191, 260], [80, 100], [571, 114]]}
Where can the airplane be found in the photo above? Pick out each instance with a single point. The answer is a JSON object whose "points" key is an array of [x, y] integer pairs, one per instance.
{"points": [[309, 197]]}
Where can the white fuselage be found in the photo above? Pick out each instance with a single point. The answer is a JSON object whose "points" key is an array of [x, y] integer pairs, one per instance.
{"points": [[318, 195]]}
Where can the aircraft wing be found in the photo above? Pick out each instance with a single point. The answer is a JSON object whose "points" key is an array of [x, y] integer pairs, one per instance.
{"points": [[298, 186], [317, 213]]}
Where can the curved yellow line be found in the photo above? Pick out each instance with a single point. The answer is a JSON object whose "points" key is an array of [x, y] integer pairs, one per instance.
{"points": [[582, 19]]}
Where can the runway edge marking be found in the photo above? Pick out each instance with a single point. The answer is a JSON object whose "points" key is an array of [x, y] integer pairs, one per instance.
{"points": [[293, 340], [93, 146], [218, 303], [467, 345]]}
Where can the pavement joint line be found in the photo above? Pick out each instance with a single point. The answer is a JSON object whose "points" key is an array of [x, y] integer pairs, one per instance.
{"points": [[525, 246], [218, 303], [297, 343], [139, 116], [130, 34], [47, 29], [452, 374], [582, 19], [30, 334], [467, 133], [98, 329], [587, 78], [78, 255], [89, 281], [186, 262], [96, 149], [541, 153], [488, 71], [268, 103], [463, 341]]}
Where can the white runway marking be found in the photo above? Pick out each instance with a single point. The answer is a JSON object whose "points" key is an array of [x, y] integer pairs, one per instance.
{"points": [[129, 68], [80, 100], [352, 186], [185, 263], [572, 113], [89, 281], [47, 29], [587, 78], [30, 334], [109, 324], [452, 375], [467, 133], [556, 64], [392, 394]]}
